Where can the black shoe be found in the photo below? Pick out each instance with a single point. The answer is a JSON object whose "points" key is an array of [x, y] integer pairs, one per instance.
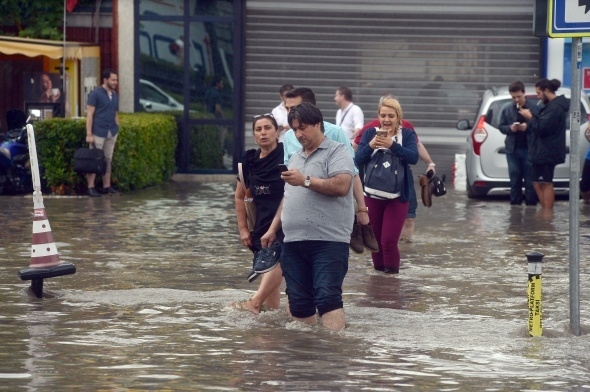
{"points": [[267, 258], [252, 276], [110, 191], [391, 271], [92, 192]]}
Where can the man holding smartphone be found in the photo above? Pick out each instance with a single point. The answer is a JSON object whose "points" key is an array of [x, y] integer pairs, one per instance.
{"points": [[514, 126]]}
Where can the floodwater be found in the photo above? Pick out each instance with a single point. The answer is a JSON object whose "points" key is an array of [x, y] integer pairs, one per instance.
{"points": [[156, 269]]}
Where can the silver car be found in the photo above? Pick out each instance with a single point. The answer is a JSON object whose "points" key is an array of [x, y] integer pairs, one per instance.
{"points": [[485, 161]]}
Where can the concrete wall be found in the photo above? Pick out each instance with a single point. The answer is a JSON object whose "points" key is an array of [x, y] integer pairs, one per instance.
{"points": [[126, 33]]}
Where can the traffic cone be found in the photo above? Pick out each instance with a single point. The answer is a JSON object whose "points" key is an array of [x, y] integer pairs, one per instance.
{"points": [[43, 250], [45, 261], [44, 257]]}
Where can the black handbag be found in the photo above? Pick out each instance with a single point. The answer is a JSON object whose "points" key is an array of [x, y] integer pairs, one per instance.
{"points": [[90, 160]]}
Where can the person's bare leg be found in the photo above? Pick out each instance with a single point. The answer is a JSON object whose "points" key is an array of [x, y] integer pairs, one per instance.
{"points": [[90, 177], [311, 320], [539, 191], [269, 291], [106, 179], [549, 195], [408, 230], [334, 320]]}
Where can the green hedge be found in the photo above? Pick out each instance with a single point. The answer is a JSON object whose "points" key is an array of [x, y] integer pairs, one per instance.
{"points": [[144, 154]]}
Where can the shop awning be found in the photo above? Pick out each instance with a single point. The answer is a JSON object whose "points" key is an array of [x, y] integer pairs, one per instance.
{"points": [[53, 49]]}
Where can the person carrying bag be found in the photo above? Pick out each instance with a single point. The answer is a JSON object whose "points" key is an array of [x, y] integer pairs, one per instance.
{"points": [[385, 153]]}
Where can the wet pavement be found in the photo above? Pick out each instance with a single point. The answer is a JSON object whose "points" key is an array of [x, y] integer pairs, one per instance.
{"points": [[147, 307]]}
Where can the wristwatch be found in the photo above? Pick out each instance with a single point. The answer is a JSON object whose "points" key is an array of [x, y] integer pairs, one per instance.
{"points": [[363, 209], [307, 182]]}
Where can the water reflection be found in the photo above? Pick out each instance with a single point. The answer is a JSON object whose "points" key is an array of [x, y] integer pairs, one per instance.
{"points": [[147, 308]]}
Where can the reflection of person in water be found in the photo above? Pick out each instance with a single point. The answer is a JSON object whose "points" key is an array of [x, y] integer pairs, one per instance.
{"points": [[49, 93]]}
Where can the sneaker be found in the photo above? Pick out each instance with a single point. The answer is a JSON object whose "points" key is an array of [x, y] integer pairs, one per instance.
{"points": [[252, 276], [356, 239], [110, 191], [267, 258], [368, 237], [92, 192]]}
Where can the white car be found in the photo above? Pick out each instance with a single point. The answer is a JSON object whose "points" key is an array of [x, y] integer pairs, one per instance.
{"points": [[485, 161], [154, 99]]}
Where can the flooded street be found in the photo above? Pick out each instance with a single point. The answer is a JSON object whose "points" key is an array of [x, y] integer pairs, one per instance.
{"points": [[148, 306]]}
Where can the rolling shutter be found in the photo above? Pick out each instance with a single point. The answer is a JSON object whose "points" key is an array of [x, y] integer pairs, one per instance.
{"points": [[437, 57]]}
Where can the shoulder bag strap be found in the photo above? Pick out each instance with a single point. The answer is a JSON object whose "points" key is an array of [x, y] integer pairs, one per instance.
{"points": [[241, 177]]}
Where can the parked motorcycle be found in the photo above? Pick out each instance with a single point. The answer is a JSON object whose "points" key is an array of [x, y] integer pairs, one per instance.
{"points": [[15, 167]]}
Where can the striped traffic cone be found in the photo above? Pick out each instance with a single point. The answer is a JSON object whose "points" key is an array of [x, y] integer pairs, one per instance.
{"points": [[44, 257], [45, 261]]}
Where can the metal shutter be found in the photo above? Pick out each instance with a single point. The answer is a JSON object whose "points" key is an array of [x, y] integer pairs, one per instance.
{"points": [[437, 57]]}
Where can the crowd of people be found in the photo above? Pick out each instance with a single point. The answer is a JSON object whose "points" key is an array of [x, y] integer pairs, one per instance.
{"points": [[317, 207], [321, 189]]}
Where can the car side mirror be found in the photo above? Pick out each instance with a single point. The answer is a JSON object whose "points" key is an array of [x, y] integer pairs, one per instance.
{"points": [[463, 125]]}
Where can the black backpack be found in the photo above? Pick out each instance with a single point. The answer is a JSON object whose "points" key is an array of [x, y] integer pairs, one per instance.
{"points": [[384, 175]]}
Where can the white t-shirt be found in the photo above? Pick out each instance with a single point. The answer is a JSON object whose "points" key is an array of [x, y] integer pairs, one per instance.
{"points": [[280, 114], [349, 119]]}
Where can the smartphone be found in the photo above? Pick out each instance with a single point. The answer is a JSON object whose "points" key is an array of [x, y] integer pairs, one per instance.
{"points": [[283, 167], [382, 132]]}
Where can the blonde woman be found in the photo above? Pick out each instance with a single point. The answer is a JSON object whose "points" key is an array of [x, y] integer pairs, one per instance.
{"points": [[387, 214]]}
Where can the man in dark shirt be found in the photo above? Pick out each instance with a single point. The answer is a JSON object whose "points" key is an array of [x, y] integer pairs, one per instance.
{"points": [[102, 126], [517, 132], [213, 97], [213, 106]]}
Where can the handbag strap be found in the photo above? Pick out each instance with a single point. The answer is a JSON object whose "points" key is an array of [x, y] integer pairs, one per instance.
{"points": [[241, 177]]}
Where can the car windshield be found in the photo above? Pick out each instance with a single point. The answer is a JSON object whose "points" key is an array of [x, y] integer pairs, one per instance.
{"points": [[498, 106]]}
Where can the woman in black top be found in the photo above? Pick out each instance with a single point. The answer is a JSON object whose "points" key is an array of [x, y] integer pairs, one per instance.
{"points": [[263, 179]]}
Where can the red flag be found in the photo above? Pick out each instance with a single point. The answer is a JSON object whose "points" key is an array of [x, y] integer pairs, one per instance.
{"points": [[70, 5]]}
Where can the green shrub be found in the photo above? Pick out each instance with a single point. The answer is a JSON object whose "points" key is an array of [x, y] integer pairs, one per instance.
{"points": [[144, 154]]}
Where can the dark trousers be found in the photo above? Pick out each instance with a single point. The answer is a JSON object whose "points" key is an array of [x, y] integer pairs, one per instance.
{"points": [[520, 171]]}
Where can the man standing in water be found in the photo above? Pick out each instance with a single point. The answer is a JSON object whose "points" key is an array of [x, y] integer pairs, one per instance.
{"points": [[547, 147], [317, 214]]}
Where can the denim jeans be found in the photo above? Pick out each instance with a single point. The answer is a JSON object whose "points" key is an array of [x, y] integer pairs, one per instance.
{"points": [[314, 272], [519, 169]]}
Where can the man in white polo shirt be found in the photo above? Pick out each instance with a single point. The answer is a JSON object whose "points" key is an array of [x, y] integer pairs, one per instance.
{"points": [[349, 117]]}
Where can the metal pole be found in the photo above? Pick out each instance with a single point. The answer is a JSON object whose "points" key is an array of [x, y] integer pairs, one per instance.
{"points": [[574, 250]]}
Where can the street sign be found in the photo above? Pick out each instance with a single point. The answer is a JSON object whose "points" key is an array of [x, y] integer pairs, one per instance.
{"points": [[569, 18]]}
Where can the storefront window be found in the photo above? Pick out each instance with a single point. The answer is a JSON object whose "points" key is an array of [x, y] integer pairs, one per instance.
{"points": [[192, 75]]}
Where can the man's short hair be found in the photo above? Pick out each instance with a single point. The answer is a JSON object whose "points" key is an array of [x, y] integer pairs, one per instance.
{"points": [[285, 87], [306, 114], [516, 86], [215, 81], [305, 93], [106, 73], [346, 92]]}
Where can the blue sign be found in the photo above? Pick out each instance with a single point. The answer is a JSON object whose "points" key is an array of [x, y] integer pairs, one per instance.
{"points": [[569, 18]]}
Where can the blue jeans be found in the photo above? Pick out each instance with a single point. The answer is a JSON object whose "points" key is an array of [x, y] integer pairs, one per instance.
{"points": [[413, 201], [519, 169], [314, 272]]}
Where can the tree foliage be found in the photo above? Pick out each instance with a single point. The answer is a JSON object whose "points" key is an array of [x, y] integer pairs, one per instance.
{"points": [[33, 18]]}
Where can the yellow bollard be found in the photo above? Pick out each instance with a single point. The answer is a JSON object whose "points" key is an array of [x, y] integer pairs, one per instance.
{"points": [[535, 323]]}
